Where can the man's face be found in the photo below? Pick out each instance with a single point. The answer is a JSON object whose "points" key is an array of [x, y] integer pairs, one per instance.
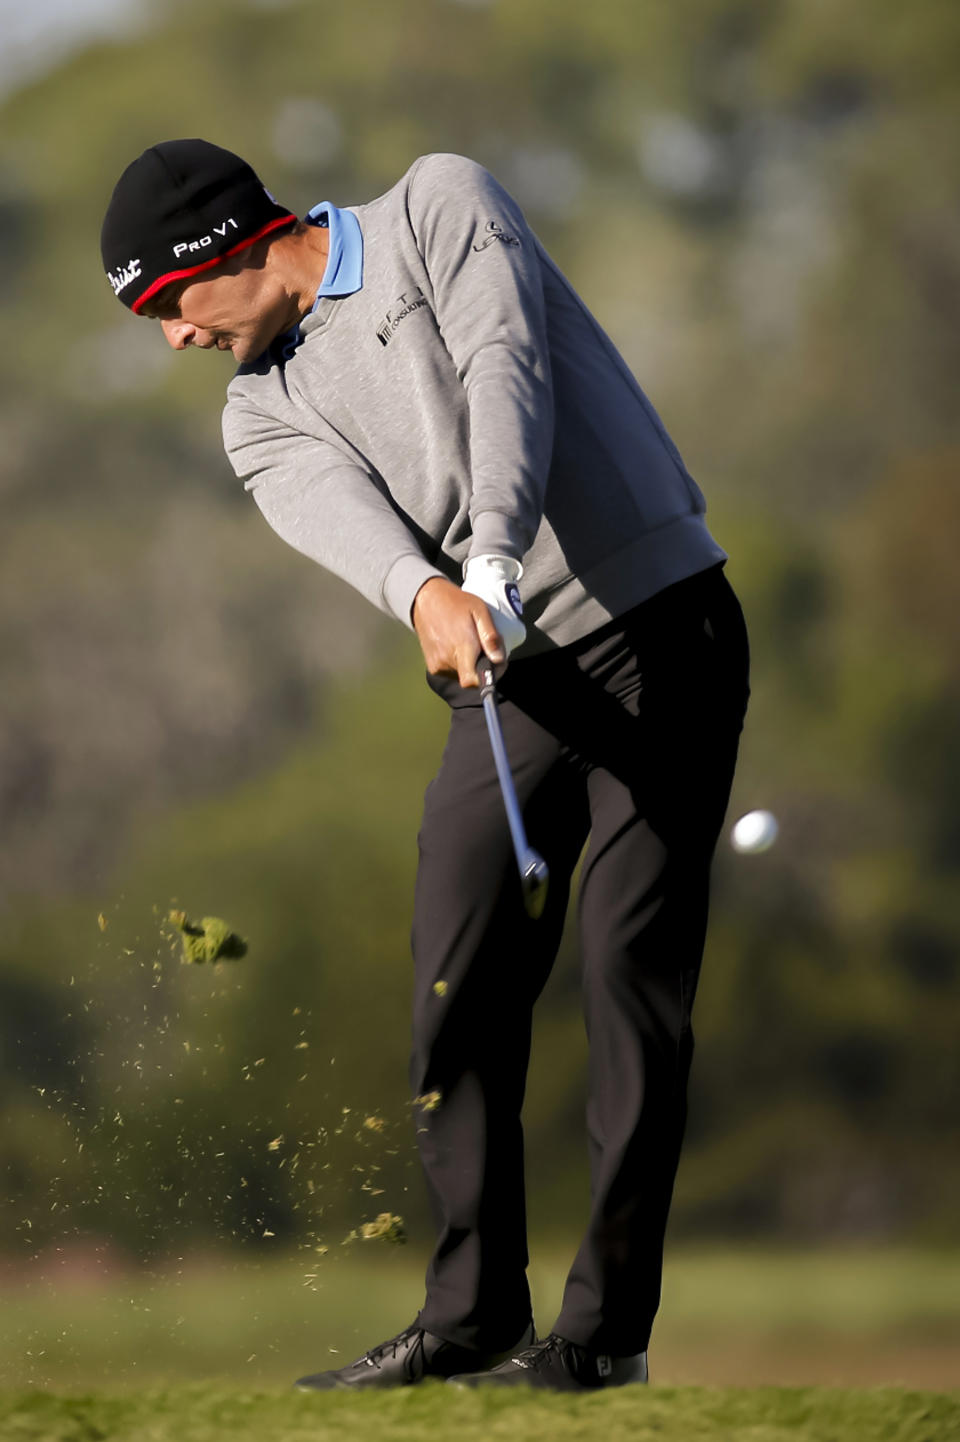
{"points": [[234, 306]]}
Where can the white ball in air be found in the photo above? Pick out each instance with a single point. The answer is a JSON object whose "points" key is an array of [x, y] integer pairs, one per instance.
{"points": [[757, 831]]}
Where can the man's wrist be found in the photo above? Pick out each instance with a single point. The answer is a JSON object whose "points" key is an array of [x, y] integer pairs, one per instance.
{"points": [[424, 585], [431, 581], [500, 567]]}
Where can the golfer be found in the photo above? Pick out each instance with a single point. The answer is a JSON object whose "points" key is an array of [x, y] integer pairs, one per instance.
{"points": [[426, 408]]}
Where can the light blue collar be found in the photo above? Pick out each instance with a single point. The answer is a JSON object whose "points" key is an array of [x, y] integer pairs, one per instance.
{"points": [[344, 272]]}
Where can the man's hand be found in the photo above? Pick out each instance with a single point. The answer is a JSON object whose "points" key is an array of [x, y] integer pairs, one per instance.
{"points": [[453, 627], [494, 579]]}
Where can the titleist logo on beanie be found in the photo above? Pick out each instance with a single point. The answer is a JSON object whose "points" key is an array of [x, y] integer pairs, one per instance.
{"points": [[177, 210]]}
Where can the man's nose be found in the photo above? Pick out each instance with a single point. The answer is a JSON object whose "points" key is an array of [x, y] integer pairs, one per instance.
{"points": [[180, 333]]}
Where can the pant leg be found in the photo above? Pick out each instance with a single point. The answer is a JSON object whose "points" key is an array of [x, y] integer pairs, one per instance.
{"points": [[480, 963], [656, 811]]}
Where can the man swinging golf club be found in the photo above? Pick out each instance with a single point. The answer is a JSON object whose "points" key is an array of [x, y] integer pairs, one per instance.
{"points": [[425, 407]]}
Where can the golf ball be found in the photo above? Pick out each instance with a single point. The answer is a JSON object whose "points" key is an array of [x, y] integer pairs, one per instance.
{"points": [[757, 831]]}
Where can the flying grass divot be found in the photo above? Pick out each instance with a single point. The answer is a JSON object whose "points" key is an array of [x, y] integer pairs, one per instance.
{"points": [[208, 940], [385, 1227]]}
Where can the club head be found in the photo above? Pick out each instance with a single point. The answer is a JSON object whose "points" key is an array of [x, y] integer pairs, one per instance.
{"points": [[535, 879]]}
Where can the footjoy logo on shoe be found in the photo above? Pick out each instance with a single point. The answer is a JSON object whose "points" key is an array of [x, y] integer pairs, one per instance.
{"points": [[403, 306], [495, 231], [604, 1366]]}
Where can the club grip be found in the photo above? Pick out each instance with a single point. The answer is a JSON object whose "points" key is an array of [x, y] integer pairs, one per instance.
{"points": [[486, 677]]}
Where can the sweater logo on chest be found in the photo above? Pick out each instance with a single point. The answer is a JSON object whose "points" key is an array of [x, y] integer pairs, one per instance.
{"points": [[403, 306]]}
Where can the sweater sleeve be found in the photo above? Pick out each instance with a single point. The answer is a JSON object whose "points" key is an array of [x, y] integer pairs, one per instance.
{"points": [[328, 507], [481, 260]]}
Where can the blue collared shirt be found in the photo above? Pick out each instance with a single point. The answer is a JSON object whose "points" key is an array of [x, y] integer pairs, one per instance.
{"points": [[344, 270]]}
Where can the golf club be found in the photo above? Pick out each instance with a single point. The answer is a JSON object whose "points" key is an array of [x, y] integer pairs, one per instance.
{"points": [[534, 875]]}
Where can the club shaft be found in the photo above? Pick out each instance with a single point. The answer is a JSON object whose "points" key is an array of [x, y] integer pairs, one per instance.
{"points": [[512, 805]]}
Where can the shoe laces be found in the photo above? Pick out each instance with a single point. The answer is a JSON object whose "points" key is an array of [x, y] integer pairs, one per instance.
{"points": [[376, 1355], [539, 1354]]}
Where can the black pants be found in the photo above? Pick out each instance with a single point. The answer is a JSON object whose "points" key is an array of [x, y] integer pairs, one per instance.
{"points": [[628, 737]]}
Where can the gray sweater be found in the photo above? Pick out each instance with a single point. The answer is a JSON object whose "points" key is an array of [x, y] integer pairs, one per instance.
{"points": [[465, 401]]}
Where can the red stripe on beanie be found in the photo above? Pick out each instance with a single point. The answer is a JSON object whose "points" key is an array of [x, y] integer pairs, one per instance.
{"points": [[173, 275]]}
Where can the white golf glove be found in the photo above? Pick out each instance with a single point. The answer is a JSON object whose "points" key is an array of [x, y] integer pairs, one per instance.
{"points": [[494, 579]]}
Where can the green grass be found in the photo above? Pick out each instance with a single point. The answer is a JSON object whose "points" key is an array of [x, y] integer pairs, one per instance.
{"points": [[443, 1414], [207, 1350], [739, 1317]]}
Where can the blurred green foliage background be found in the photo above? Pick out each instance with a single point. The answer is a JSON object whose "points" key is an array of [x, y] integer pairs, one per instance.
{"points": [[760, 201]]}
